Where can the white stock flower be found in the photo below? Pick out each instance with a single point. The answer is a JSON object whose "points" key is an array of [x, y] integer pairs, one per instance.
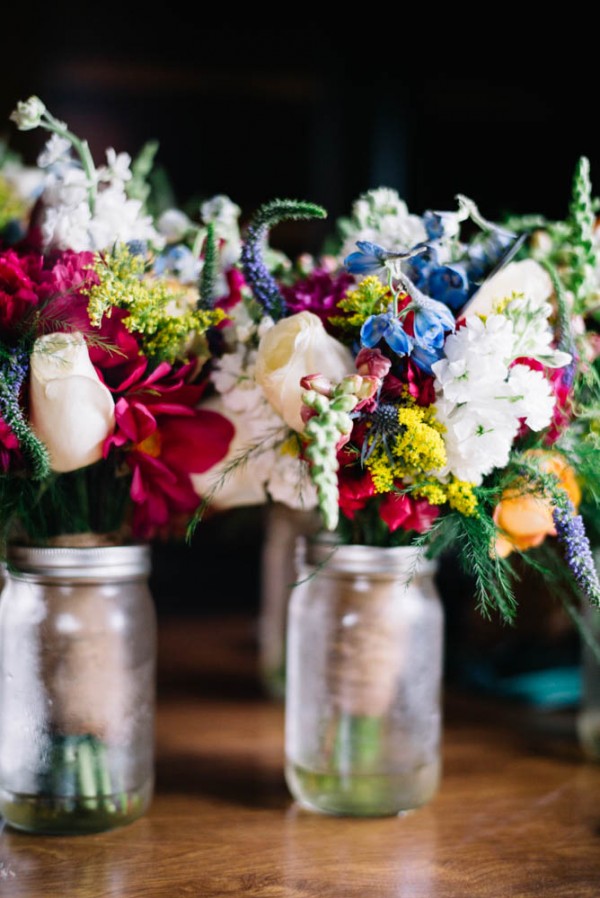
{"points": [[380, 216], [71, 411], [118, 167], [67, 222], [527, 278], [289, 482], [28, 181], [533, 334], [477, 440], [28, 113], [173, 225], [481, 399], [56, 150], [532, 396], [292, 348]]}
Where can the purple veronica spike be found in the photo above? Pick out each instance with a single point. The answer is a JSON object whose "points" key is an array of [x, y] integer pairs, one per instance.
{"points": [[570, 531]]}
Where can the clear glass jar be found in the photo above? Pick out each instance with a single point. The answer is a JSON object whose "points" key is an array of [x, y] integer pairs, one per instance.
{"points": [[77, 672], [279, 571], [363, 717], [588, 718]]}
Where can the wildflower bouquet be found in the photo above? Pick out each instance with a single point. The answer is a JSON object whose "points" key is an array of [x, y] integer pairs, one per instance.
{"points": [[436, 407], [105, 322], [427, 397]]}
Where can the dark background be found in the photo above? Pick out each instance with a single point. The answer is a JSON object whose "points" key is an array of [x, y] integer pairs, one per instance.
{"points": [[313, 114]]}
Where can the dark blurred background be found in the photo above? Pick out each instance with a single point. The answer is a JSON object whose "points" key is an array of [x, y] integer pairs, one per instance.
{"points": [[313, 114]]}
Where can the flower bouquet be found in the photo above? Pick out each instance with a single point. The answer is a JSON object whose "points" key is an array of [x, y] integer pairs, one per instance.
{"points": [[570, 249], [105, 322], [436, 406]]}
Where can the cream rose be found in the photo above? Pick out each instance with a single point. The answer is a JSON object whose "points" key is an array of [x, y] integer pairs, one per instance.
{"points": [[291, 349], [527, 277], [71, 410]]}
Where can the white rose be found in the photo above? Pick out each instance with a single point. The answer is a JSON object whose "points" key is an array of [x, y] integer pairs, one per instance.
{"points": [[71, 410], [292, 348], [527, 277]]}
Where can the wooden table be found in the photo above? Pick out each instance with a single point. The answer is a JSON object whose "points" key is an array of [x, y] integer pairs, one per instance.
{"points": [[518, 813]]}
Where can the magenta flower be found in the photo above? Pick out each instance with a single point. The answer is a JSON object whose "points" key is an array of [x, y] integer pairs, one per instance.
{"points": [[165, 439], [319, 293]]}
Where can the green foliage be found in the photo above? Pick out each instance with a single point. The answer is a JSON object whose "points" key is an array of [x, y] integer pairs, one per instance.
{"points": [[565, 334], [584, 261], [91, 499], [209, 269]]}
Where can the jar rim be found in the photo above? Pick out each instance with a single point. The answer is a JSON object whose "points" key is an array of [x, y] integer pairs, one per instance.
{"points": [[80, 563], [356, 558]]}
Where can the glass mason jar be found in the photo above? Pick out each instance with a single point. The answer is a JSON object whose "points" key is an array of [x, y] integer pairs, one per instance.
{"points": [[365, 645], [588, 718], [77, 670], [279, 571]]}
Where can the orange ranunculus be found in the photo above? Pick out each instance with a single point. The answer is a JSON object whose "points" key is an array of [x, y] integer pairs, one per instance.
{"points": [[524, 519]]}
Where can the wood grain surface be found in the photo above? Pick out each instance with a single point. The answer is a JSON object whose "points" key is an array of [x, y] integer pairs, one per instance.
{"points": [[518, 813]]}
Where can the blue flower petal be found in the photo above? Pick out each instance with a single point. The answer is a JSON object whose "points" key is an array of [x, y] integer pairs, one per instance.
{"points": [[397, 338], [360, 263], [373, 249], [374, 330], [424, 359], [429, 330], [449, 284]]}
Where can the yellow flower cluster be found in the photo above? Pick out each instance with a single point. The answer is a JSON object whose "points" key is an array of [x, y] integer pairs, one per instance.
{"points": [[371, 297], [11, 205], [160, 310], [417, 449], [459, 494], [461, 497]]}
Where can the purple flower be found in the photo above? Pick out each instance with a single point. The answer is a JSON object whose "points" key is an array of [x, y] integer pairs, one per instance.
{"points": [[570, 531], [319, 293]]}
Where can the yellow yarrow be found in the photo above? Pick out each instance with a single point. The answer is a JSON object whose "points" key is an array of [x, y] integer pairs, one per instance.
{"points": [[371, 297], [160, 310], [418, 449], [461, 497], [12, 206], [432, 490]]}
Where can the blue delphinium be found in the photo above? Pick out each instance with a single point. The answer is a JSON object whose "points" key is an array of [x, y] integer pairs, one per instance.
{"points": [[372, 258], [431, 322], [570, 531], [178, 260], [388, 327], [449, 284]]}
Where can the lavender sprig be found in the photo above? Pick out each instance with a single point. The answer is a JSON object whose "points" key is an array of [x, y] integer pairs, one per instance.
{"points": [[263, 284], [570, 531], [14, 365]]}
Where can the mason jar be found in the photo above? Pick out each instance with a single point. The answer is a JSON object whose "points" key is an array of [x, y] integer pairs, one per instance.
{"points": [[364, 669], [77, 672], [284, 528], [588, 718]]}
